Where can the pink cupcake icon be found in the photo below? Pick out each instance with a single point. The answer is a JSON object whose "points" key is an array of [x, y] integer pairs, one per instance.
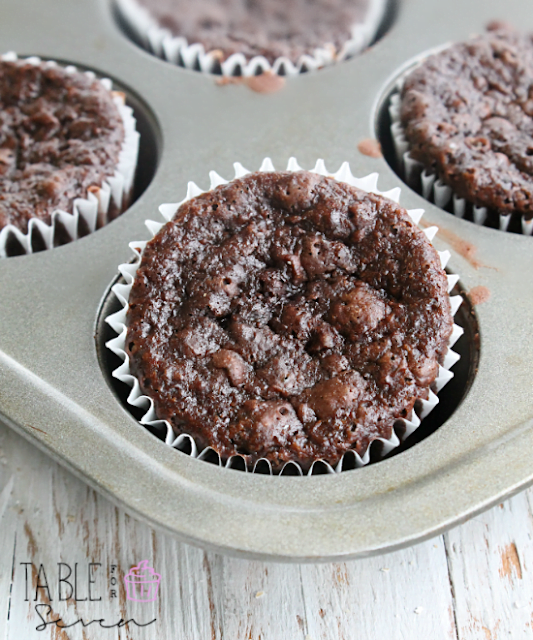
{"points": [[142, 583]]}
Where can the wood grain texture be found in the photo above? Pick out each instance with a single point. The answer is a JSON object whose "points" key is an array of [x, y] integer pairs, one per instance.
{"points": [[491, 569], [473, 583]]}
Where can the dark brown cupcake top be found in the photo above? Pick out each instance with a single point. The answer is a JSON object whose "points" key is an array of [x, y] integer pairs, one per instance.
{"points": [[269, 28], [468, 115], [287, 316], [60, 134]]}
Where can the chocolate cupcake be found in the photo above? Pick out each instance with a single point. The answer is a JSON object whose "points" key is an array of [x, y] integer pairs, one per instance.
{"points": [[286, 316], [237, 38], [465, 118], [68, 149]]}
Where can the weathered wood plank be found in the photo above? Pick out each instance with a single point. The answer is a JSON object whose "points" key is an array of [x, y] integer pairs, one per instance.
{"points": [[243, 597], [491, 571], [7, 540], [400, 595]]}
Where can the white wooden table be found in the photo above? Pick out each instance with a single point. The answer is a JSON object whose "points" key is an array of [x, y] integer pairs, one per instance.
{"points": [[474, 582]]}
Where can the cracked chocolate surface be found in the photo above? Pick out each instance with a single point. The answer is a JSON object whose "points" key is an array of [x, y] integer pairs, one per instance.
{"points": [[287, 316], [269, 28], [468, 116], [60, 134]]}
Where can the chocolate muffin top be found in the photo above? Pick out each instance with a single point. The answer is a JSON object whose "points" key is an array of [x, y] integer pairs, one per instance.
{"points": [[269, 28], [287, 316], [468, 115], [60, 133]]}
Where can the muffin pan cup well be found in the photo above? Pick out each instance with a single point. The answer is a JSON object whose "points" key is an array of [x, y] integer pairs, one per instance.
{"points": [[53, 391], [401, 429], [101, 203], [145, 30]]}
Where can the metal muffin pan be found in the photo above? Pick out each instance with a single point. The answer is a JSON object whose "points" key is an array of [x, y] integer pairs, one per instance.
{"points": [[54, 392]]}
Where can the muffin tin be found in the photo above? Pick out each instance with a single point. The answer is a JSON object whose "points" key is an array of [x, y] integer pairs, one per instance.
{"points": [[55, 386]]}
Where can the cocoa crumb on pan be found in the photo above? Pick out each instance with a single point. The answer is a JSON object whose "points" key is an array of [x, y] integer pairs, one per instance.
{"points": [[479, 295], [465, 249], [370, 147], [266, 82]]}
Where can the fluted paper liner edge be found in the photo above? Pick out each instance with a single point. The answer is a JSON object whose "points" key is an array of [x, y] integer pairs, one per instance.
{"points": [[433, 189], [117, 321], [94, 208], [177, 50]]}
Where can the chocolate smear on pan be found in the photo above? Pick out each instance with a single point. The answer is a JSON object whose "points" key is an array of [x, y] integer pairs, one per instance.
{"points": [[370, 147], [266, 82]]}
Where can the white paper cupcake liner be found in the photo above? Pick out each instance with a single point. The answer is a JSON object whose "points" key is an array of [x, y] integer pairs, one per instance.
{"points": [[177, 50], [403, 427], [101, 202], [429, 185]]}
